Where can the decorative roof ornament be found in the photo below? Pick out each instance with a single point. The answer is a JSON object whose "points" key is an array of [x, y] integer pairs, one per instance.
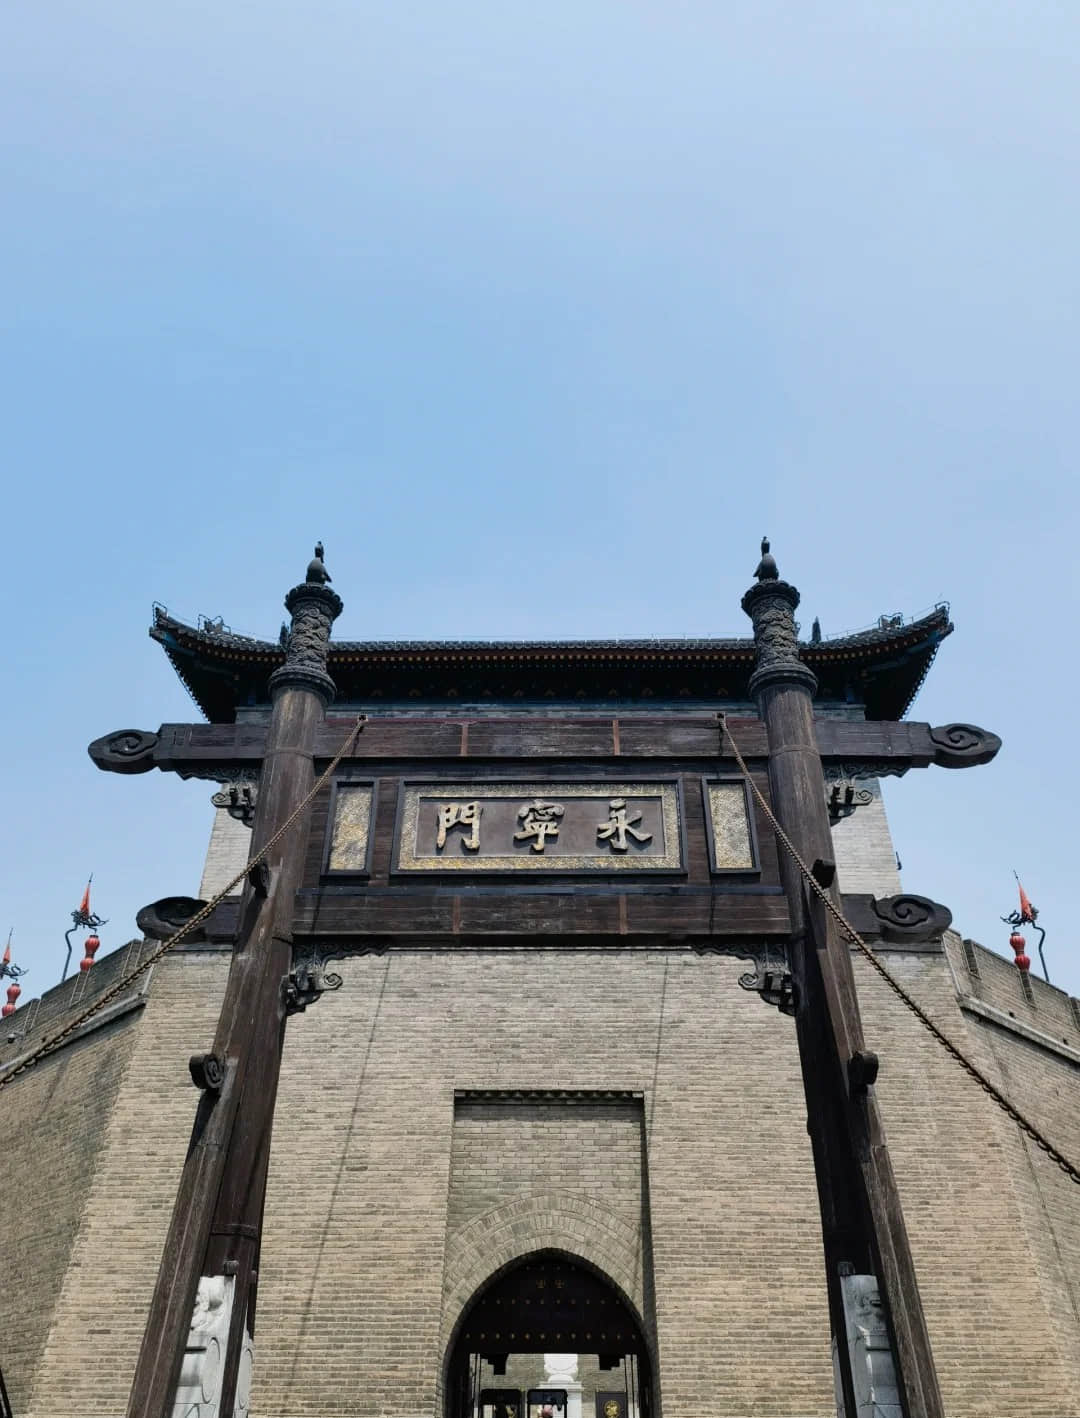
{"points": [[317, 574], [12, 973], [1027, 915], [83, 919], [766, 568]]}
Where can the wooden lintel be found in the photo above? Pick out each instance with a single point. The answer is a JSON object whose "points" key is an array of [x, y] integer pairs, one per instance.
{"points": [[218, 751]]}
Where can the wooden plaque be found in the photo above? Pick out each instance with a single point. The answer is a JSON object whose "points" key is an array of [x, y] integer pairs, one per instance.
{"points": [[593, 826]]}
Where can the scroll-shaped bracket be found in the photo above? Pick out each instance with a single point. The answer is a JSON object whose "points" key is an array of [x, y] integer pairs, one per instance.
{"points": [[770, 977], [774, 984], [911, 918], [162, 919], [259, 878], [239, 799], [125, 751], [843, 797], [207, 1072], [897, 920], [309, 977], [963, 745], [307, 981], [862, 1070]]}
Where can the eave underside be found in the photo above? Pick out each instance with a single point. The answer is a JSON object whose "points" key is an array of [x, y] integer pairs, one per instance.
{"points": [[880, 670]]}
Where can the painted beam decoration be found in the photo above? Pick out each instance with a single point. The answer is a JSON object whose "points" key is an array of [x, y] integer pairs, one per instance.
{"points": [[539, 827]]}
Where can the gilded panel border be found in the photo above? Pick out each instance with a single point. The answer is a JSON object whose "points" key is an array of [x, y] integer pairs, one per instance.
{"points": [[733, 844], [350, 833]]}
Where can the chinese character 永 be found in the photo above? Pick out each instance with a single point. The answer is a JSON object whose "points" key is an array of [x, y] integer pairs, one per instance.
{"points": [[460, 815], [619, 823], [539, 820]]}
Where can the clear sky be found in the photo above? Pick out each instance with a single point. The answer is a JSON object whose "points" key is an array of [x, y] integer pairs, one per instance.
{"points": [[539, 315]]}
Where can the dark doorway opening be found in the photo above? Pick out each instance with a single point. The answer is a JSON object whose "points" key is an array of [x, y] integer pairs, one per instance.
{"points": [[516, 1344]]}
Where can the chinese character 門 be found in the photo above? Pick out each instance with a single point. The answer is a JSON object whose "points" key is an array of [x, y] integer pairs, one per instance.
{"points": [[460, 815], [539, 820], [619, 823]]}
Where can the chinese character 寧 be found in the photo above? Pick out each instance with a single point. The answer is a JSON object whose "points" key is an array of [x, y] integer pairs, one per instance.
{"points": [[539, 820]]}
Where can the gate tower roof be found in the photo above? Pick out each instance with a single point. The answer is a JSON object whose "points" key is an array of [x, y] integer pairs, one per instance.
{"points": [[881, 668]]}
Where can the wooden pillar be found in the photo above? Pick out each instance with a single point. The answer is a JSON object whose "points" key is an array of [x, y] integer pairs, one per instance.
{"points": [[861, 1218], [217, 1217]]}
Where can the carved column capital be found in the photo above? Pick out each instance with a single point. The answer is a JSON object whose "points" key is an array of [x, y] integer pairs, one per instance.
{"points": [[771, 606], [314, 608]]}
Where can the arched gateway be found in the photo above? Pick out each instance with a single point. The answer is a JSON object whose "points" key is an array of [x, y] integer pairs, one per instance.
{"points": [[549, 1336]]}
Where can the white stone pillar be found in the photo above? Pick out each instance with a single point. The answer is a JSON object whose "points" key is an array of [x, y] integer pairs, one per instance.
{"points": [[198, 1394], [872, 1369], [561, 1372]]}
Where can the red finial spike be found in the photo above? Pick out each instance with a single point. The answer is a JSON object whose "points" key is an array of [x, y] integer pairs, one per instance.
{"points": [[84, 905], [1027, 913], [7, 952]]}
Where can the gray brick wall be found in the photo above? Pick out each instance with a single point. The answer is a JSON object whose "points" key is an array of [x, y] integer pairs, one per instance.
{"points": [[383, 1214], [228, 849], [865, 855]]}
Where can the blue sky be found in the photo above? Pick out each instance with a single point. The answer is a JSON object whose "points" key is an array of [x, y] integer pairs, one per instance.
{"points": [[540, 317]]}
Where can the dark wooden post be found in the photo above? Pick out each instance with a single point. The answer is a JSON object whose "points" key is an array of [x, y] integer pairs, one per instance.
{"points": [[217, 1217], [861, 1217]]}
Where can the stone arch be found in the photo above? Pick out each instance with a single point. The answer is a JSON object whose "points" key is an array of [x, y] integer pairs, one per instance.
{"points": [[579, 1295], [579, 1227]]}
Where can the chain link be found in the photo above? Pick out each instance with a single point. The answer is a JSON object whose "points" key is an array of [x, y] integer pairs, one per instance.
{"points": [[893, 983], [48, 1046]]}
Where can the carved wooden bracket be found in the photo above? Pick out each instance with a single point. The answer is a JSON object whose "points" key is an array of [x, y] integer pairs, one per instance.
{"points": [[125, 751], [896, 919], [963, 745], [163, 918]]}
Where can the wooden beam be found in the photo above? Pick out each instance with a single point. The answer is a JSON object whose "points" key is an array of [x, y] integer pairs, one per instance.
{"points": [[217, 751]]}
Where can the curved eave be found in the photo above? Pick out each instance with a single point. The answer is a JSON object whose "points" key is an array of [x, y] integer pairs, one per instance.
{"points": [[882, 668]]}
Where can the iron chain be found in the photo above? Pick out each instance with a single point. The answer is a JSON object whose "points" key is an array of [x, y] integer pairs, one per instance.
{"points": [[48, 1046], [893, 983]]}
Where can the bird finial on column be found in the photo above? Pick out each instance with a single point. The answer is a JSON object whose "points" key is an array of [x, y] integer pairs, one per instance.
{"points": [[314, 607], [770, 603], [317, 574], [766, 568]]}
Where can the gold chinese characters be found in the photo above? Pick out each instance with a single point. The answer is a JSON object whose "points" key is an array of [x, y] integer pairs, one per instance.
{"points": [[459, 815], [499, 826]]}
